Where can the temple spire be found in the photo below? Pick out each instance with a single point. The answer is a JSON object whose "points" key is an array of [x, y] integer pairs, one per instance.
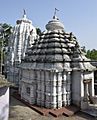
{"points": [[24, 13], [55, 12]]}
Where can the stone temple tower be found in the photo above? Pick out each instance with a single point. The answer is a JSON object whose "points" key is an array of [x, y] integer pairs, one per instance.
{"points": [[23, 35], [55, 73], [46, 71], [20, 37]]}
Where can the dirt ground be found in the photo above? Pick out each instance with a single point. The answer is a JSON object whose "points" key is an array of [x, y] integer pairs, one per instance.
{"points": [[19, 111]]}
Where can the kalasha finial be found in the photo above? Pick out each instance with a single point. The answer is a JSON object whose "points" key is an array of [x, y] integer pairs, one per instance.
{"points": [[55, 12]]}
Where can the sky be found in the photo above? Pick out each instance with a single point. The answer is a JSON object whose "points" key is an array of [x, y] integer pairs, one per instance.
{"points": [[78, 16]]}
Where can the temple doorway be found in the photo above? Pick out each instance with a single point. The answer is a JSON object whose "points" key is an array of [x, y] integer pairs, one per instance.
{"points": [[87, 90]]}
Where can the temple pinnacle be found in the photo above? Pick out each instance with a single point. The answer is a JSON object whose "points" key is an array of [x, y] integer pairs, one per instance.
{"points": [[24, 13], [55, 12]]}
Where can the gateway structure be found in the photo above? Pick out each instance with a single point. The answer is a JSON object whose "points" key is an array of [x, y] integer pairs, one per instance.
{"points": [[55, 72], [23, 35]]}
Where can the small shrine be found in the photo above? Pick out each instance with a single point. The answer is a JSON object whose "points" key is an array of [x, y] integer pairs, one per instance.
{"points": [[55, 72]]}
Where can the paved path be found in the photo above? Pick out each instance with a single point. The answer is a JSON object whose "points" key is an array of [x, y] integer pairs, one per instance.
{"points": [[19, 111]]}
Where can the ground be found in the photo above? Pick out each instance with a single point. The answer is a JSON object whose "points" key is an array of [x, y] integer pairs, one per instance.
{"points": [[19, 111]]}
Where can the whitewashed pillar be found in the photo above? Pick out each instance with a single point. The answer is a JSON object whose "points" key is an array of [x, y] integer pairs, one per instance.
{"points": [[47, 89], [92, 85], [59, 90], [68, 87], [22, 90], [85, 91], [64, 92], [53, 92]]}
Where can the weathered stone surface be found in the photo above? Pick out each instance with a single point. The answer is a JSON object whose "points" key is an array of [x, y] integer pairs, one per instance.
{"points": [[23, 35], [54, 70]]}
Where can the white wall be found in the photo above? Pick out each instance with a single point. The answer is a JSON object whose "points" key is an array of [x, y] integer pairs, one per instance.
{"points": [[76, 87], [4, 103], [90, 75]]}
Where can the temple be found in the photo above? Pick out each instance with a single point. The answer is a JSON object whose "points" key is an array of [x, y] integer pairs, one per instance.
{"points": [[23, 35], [55, 72]]}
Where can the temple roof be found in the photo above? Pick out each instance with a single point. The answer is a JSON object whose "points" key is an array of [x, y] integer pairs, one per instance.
{"points": [[24, 19], [80, 61], [54, 24], [55, 49]]}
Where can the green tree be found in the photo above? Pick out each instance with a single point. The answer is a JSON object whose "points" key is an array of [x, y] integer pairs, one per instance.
{"points": [[5, 31], [4, 35], [92, 54]]}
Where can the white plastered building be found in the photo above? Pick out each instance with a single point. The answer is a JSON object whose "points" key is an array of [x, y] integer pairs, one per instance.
{"points": [[55, 73], [23, 35]]}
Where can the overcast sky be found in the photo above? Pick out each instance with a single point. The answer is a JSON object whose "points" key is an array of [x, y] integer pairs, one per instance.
{"points": [[78, 16]]}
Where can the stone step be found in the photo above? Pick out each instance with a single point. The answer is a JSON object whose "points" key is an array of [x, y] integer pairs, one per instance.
{"points": [[67, 111], [56, 112], [70, 110]]}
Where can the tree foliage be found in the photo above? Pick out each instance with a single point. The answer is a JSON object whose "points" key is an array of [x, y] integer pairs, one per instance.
{"points": [[4, 36], [92, 54], [5, 31]]}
